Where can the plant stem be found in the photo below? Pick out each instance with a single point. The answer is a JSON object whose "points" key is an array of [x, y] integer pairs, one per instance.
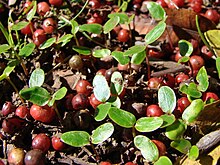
{"points": [[94, 150], [57, 112], [88, 37], [87, 1], [148, 65]]}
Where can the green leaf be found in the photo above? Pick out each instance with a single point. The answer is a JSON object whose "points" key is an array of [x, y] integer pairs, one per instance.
{"points": [[156, 11], [185, 47], [115, 101], [75, 27], [19, 25], [176, 130], [27, 50], [101, 89], [167, 120], [117, 83], [155, 33], [193, 152], [111, 24], [61, 93], [212, 36], [131, 18], [100, 53], [217, 62], [48, 43], [37, 78], [102, 133], [163, 160], [191, 113], [123, 17], [122, 117], [5, 33], [190, 89], [138, 58], [124, 6], [91, 28], [183, 59], [134, 50], [202, 79], [65, 39], [147, 147], [166, 99], [4, 48], [102, 111], [32, 12], [36, 95], [7, 71], [119, 56], [181, 145], [82, 50], [148, 124], [76, 138]]}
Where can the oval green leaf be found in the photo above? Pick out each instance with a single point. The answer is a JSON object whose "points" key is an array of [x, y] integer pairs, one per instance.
{"points": [[123, 17], [48, 43], [190, 89], [117, 83], [111, 24], [115, 101], [163, 160], [4, 48], [202, 79], [124, 6], [91, 28], [147, 147], [138, 58], [148, 124], [102, 111], [181, 145], [167, 120], [61, 93], [37, 78], [156, 11], [27, 50], [183, 59], [10, 67], [119, 56], [102, 133], [64, 39], [185, 47], [32, 12], [134, 50], [100, 53], [76, 138], [75, 26], [82, 50], [122, 117], [19, 25], [193, 152], [166, 99]]}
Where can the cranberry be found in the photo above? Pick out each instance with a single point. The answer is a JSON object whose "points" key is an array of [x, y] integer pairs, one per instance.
{"points": [[11, 125], [16, 156], [57, 144], [123, 67], [212, 15], [41, 142], [83, 86], [137, 1], [80, 101], [76, 62], [96, 18], [28, 30], [56, 2], [26, 6], [182, 103], [161, 147], [44, 114], [123, 35], [8, 108], [94, 4], [206, 52], [35, 157], [209, 97], [42, 8], [22, 111], [39, 37], [105, 163], [196, 6], [162, 3], [181, 77], [130, 163], [196, 62], [49, 25], [154, 83], [155, 53], [101, 71], [93, 101], [169, 80], [154, 111], [68, 102]]}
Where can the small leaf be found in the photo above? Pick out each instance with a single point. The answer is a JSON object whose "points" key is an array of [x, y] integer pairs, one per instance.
{"points": [[19, 25], [176, 130], [212, 36], [167, 120], [190, 89], [148, 124], [163, 160], [4, 48], [134, 50], [102, 111], [102, 133], [61, 93], [131, 18], [27, 50], [10, 67], [119, 56], [166, 99], [183, 59], [191, 113], [202, 79], [117, 83], [37, 78], [32, 12], [111, 24], [48, 43], [65, 39], [185, 47], [76, 138], [147, 147], [138, 58], [100, 53], [115, 101], [36, 95], [181, 145], [193, 152], [5, 33], [156, 11], [82, 50], [91, 28], [75, 27], [124, 6], [218, 66], [123, 17], [122, 117], [155, 33], [101, 89]]}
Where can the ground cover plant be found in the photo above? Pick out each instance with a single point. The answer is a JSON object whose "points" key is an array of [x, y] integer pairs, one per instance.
{"points": [[108, 82]]}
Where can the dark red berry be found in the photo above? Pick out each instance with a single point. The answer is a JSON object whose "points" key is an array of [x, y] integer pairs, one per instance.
{"points": [[206, 52], [154, 110], [209, 97], [49, 25], [8, 108], [182, 103], [94, 4], [84, 87], [11, 125], [181, 77], [123, 35], [80, 101], [35, 157], [93, 101], [57, 144], [42, 8], [154, 83], [28, 30], [96, 18], [213, 15], [56, 2], [161, 147], [196, 62], [105, 163], [16, 156], [41, 142], [39, 36], [22, 111]]}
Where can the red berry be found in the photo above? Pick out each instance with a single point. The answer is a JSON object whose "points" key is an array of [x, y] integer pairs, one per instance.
{"points": [[123, 35], [181, 77], [130, 163], [44, 114], [154, 83], [94, 4], [196, 62], [28, 30], [93, 101], [34, 157], [154, 110], [57, 144], [96, 18], [26, 5], [212, 15], [68, 102], [16, 156], [11, 125], [161, 147], [208, 97], [123, 67], [22, 111], [206, 52], [83, 86], [49, 25], [56, 2], [42, 8], [196, 6], [39, 37], [101, 71], [162, 3], [41, 142], [80, 101], [169, 80], [105, 163], [8, 108], [182, 103], [155, 53]]}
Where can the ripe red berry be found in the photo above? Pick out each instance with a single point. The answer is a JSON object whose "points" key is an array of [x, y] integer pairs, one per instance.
{"points": [[28, 30], [96, 18], [212, 15], [49, 25], [196, 6], [94, 4], [206, 52], [11, 125], [56, 2], [181, 77], [123, 35], [196, 62], [93, 101], [105, 163], [83, 86], [41, 142], [80, 101], [39, 37], [162, 3], [182, 103], [123, 67], [16, 156], [35, 157], [161, 147], [26, 5], [22, 111], [209, 97], [8, 108], [169, 80], [154, 83], [153, 110], [57, 144], [155, 53], [101, 71], [42, 8], [68, 102]]}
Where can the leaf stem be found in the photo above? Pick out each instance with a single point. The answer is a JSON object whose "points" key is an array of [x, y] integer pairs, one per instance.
{"points": [[88, 37], [87, 1]]}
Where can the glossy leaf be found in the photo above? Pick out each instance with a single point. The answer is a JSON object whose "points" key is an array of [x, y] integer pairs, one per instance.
{"points": [[193, 152], [5, 33], [134, 50], [27, 50], [122, 117], [115, 101], [217, 62], [100, 53], [111, 24], [156, 11], [61, 93], [147, 147], [191, 113], [37, 78], [101, 89], [19, 25], [138, 58], [65, 39], [155, 33], [163, 160], [190, 89], [91, 28], [176, 130], [102, 133], [123, 17], [148, 124], [212, 36], [185, 47], [181, 145], [119, 56], [82, 50], [167, 120], [32, 12], [124, 6], [48, 43], [36, 95], [183, 59], [117, 83], [7, 71], [202, 79], [75, 27], [4, 48], [102, 111], [76, 138], [166, 99]]}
